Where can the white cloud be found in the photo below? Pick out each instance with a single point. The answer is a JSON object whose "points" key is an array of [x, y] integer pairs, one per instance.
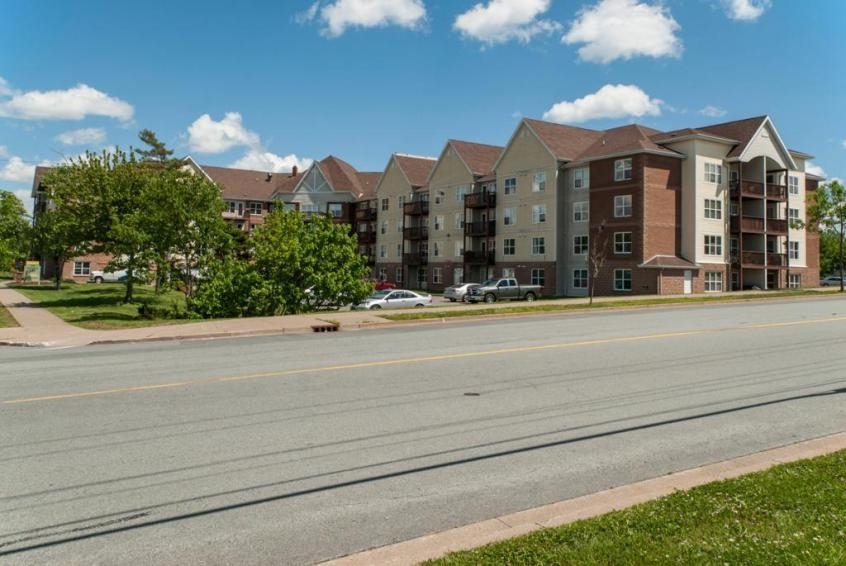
{"points": [[17, 171], [844, 143], [72, 104], [611, 101], [207, 136], [339, 15], [83, 136], [3, 151], [746, 10], [500, 21], [24, 195], [307, 15], [622, 29], [713, 112], [814, 169], [258, 160]]}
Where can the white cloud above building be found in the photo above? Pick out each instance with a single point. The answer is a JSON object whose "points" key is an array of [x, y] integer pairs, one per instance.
{"points": [[610, 101], [258, 160], [339, 15], [713, 111], [746, 10], [501, 21], [83, 136], [814, 169], [17, 171], [624, 29], [206, 135], [76, 103]]}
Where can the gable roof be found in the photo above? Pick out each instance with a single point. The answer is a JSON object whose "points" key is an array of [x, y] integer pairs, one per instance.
{"points": [[40, 171], [478, 157], [416, 169], [247, 184], [625, 139], [565, 143]]}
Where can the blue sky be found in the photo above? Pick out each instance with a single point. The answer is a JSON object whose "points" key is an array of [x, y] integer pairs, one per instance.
{"points": [[268, 84]]}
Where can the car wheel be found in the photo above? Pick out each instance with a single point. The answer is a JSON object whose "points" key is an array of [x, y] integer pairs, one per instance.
{"points": [[375, 307], [419, 305], [530, 297], [490, 298], [452, 300], [98, 279]]}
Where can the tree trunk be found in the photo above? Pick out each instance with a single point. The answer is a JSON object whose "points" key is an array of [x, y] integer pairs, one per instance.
{"points": [[130, 279], [60, 266]]}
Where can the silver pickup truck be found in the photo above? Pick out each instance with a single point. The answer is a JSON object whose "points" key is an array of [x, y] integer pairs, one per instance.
{"points": [[494, 290]]}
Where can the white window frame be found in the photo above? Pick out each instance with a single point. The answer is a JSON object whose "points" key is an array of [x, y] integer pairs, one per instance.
{"points": [[713, 245], [713, 281], [384, 228], [459, 248], [81, 268], [793, 184], [539, 182], [399, 250], [538, 276], [623, 243], [457, 275], [509, 245], [460, 191], [581, 211], [398, 275], [538, 213], [439, 222], [622, 206], [256, 208], [793, 250], [436, 275], [713, 209], [510, 186], [508, 272], [794, 281], [623, 280], [538, 245], [509, 216], [793, 214], [580, 279], [383, 251], [580, 242], [714, 173], [459, 220], [386, 204], [581, 178], [623, 169]]}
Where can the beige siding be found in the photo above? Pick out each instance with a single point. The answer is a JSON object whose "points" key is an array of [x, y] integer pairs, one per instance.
{"points": [[392, 185], [449, 174]]}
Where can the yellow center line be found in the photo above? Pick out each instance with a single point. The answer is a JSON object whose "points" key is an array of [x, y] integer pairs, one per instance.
{"points": [[417, 359]]}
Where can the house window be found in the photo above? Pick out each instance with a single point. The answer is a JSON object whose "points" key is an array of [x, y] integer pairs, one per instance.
{"points": [[713, 281], [509, 246], [734, 209], [400, 202], [459, 220], [384, 229], [539, 182], [794, 281], [538, 276], [793, 185], [538, 214], [399, 227], [508, 272], [581, 178], [580, 279], [436, 275], [458, 276], [385, 203], [793, 214], [399, 250], [580, 211], [421, 277], [439, 222], [734, 249], [336, 209], [713, 173], [623, 169], [509, 216], [459, 193], [231, 206], [713, 245], [383, 251], [622, 279], [580, 245], [459, 248], [538, 246], [398, 275], [510, 186], [81, 268], [436, 249], [713, 209], [793, 250], [622, 206], [255, 207], [622, 242]]}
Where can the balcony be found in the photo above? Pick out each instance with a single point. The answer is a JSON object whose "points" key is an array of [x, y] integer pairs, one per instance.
{"points": [[365, 214], [482, 228], [416, 208], [756, 259], [419, 258], [367, 237], [479, 258], [756, 225], [416, 233], [755, 189], [482, 199]]}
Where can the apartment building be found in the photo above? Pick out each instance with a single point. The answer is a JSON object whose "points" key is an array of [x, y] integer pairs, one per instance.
{"points": [[403, 181]]}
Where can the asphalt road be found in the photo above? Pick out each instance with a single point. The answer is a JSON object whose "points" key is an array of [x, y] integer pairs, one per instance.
{"points": [[297, 449]]}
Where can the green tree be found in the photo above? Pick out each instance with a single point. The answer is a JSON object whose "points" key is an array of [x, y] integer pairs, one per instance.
{"points": [[156, 150], [829, 252], [14, 230], [828, 213]]}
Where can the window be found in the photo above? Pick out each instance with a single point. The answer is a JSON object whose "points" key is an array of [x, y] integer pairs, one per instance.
{"points": [[580, 279], [383, 251], [383, 274], [459, 220], [309, 208], [793, 250], [458, 276], [421, 277], [580, 245], [581, 178], [793, 185], [399, 250], [713, 281], [509, 216], [508, 272], [510, 186], [459, 193], [713, 209], [622, 279], [713, 173], [734, 176], [538, 214], [436, 275], [436, 249], [713, 245], [385, 203], [539, 182], [622, 242], [400, 202], [580, 211], [255, 207], [623, 169], [509, 246], [794, 281], [734, 249], [399, 226], [735, 209], [439, 222], [538, 276], [336, 209], [538, 246], [231, 206], [459, 248], [384, 229], [82, 268], [793, 214], [398, 275], [622, 206], [439, 197]]}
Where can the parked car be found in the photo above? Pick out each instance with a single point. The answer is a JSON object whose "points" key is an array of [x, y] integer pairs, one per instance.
{"points": [[98, 276], [494, 290], [459, 292], [394, 299], [829, 281], [380, 285]]}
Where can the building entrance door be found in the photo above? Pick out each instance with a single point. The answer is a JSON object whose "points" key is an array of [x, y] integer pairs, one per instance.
{"points": [[688, 282]]}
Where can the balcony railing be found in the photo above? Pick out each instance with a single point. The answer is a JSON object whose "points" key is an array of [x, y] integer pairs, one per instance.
{"points": [[419, 258], [481, 228], [482, 199], [755, 224], [416, 208], [479, 258], [367, 237], [756, 259], [416, 233], [365, 214], [756, 189]]}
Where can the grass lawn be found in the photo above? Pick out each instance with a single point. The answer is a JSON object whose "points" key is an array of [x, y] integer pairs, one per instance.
{"points": [[6, 319], [100, 307], [790, 514], [543, 306]]}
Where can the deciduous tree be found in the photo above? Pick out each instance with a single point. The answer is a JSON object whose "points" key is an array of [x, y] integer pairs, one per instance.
{"points": [[14, 230], [828, 213]]}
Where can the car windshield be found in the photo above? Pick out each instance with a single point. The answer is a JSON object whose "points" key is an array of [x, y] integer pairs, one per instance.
{"points": [[380, 294], [489, 282]]}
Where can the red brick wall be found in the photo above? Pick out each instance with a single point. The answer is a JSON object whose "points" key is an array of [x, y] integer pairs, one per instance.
{"points": [[662, 206]]}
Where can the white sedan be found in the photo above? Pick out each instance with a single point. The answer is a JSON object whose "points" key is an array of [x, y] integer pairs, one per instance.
{"points": [[394, 299]]}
